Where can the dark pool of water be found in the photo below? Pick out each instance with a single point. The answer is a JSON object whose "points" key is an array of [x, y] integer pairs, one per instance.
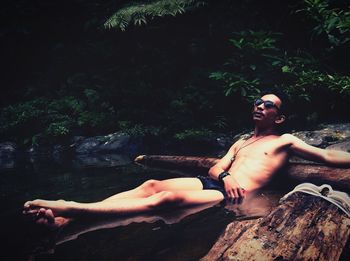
{"points": [[176, 235]]}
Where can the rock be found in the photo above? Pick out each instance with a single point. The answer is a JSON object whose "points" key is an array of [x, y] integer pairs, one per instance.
{"points": [[325, 135], [7, 150], [76, 139], [88, 145], [344, 146], [57, 151], [100, 160], [310, 137], [7, 163], [115, 142], [224, 141]]}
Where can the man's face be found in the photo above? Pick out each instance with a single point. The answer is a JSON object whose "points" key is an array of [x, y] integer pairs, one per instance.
{"points": [[267, 109]]}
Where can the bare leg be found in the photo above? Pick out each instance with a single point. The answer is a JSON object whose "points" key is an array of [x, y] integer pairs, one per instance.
{"points": [[151, 187], [147, 189], [117, 207], [149, 196]]}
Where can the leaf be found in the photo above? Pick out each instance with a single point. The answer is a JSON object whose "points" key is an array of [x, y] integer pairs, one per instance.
{"points": [[286, 69]]}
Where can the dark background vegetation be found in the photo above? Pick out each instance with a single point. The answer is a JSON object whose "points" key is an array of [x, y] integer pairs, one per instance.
{"points": [[66, 71]]}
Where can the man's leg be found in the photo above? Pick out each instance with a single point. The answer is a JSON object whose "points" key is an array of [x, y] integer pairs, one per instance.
{"points": [[151, 187], [118, 207], [148, 188]]}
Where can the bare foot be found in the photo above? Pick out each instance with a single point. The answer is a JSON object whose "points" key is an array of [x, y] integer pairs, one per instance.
{"points": [[46, 219], [45, 229], [57, 207]]}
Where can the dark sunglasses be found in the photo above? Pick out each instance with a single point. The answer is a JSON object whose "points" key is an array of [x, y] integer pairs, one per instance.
{"points": [[267, 104]]}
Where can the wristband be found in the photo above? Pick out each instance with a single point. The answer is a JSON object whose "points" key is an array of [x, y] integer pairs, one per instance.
{"points": [[222, 175]]}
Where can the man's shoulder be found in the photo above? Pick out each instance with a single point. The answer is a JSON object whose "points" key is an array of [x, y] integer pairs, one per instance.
{"points": [[290, 138], [287, 136]]}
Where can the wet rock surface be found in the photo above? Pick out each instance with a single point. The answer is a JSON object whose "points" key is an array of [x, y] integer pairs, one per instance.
{"points": [[7, 150], [7, 154], [118, 141], [325, 135], [100, 160]]}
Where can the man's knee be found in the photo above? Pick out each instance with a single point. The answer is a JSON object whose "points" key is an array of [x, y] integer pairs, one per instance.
{"points": [[165, 199], [150, 186]]}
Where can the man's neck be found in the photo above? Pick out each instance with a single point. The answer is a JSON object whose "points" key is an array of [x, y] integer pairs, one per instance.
{"points": [[258, 132]]}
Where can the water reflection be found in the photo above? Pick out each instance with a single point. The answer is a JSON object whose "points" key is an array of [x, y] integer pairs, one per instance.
{"points": [[43, 240]]}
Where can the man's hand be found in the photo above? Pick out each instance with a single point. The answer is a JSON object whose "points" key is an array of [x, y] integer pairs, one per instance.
{"points": [[233, 189]]}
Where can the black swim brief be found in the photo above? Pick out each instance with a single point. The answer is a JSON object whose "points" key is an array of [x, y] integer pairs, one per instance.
{"points": [[210, 183]]}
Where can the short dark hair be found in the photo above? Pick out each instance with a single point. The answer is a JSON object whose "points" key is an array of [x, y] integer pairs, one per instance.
{"points": [[281, 95]]}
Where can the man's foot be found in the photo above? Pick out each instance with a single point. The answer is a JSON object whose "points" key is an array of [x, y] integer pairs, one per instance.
{"points": [[57, 207], [45, 218]]}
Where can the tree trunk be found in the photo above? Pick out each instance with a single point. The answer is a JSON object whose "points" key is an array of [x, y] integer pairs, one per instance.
{"points": [[300, 171], [304, 227], [176, 161], [311, 172]]}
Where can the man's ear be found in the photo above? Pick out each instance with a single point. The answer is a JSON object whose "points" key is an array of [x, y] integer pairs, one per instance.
{"points": [[280, 119]]}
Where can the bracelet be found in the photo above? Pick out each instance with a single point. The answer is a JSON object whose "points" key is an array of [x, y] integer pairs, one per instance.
{"points": [[222, 175]]}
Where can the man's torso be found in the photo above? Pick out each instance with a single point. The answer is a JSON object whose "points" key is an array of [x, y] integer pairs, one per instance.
{"points": [[255, 164]]}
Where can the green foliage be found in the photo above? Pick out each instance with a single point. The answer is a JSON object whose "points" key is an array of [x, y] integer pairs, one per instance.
{"points": [[14, 116], [237, 84], [139, 130], [245, 70], [42, 119], [254, 41], [258, 64], [334, 23], [154, 81], [139, 13], [193, 134]]}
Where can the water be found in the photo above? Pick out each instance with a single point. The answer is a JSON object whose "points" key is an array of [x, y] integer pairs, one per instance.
{"points": [[175, 235]]}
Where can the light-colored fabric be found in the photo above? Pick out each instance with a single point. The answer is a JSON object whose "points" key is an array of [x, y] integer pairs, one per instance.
{"points": [[325, 191]]}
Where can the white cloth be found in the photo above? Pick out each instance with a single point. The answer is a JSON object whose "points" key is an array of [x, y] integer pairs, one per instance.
{"points": [[325, 191]]}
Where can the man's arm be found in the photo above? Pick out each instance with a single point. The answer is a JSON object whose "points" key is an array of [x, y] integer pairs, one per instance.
{"points": [[224, 163], [306, 151], [232, 187]]}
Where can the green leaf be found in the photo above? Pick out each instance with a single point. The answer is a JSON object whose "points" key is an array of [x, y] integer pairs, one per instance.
{"points": [[286, 69]]}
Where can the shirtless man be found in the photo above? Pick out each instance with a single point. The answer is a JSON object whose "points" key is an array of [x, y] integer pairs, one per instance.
{"points": [[247, 166]]}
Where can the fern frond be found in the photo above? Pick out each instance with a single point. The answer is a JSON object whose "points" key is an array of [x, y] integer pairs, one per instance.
{"points": [[138, 14]]}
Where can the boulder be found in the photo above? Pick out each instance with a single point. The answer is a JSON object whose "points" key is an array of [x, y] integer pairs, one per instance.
{"points": [[88, 145], [7, 150], [344, 146], [115, 142], [100, 160], [325, 135]]}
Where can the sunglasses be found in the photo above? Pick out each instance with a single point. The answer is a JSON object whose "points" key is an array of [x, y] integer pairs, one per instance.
{"points": [[267, 104]]}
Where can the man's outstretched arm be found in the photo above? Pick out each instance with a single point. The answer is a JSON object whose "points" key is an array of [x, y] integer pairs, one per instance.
{"points": [[306, 151]]}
